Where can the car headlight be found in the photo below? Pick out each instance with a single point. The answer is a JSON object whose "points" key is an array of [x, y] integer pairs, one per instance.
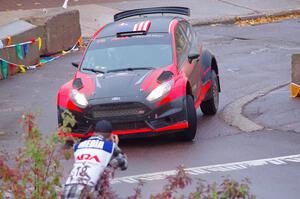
{"points": [[79, 99], [160, 91]]}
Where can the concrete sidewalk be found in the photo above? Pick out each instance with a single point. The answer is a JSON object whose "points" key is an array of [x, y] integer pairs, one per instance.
{"points": [[93, 16], [276, 111]]}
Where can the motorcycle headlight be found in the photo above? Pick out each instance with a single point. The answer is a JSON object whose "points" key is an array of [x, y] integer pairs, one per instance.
{"points": [[79, 99], [160, 91]]}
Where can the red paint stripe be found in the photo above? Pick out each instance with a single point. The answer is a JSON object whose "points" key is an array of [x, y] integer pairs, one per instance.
{"points": [[180, 125], [140, 26], [96, 34], [146, 26], [172, 25], [206, 71], [150, 80], [135, 27], [203, 92], [177, 126]]}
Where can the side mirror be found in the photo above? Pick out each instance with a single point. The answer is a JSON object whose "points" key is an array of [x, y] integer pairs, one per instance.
{"points": [[193, 56], [75, 64]]}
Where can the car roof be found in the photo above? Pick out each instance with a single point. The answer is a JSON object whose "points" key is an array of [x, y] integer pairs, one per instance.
{"points": [[159, 24]]}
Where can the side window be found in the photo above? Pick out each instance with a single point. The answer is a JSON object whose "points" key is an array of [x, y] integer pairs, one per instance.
{"points": [[188, 30], [181, 46]]}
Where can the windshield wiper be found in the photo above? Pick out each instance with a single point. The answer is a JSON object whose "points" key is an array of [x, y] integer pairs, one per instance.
{"points": [[131, 69], [94, 70]]}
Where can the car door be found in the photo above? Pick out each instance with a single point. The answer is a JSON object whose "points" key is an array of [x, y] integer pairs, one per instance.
{"points": [[184, 46], [196, 47]]}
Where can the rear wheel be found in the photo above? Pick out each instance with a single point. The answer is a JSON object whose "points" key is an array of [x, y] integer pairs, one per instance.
{"points": [[210, 106], [190, 132]]}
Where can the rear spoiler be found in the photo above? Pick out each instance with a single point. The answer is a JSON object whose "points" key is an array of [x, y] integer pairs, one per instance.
{"points": [[154, 10]]}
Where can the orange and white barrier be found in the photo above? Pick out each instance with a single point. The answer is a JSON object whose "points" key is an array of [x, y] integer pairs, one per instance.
{"points": [[295, 90], [295, 84]]}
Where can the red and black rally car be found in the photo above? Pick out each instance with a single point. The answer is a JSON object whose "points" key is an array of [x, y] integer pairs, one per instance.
{"points": [[145, 73]]}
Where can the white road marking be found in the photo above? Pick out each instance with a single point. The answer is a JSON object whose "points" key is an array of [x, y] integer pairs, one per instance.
{"points": [[282, 160]]}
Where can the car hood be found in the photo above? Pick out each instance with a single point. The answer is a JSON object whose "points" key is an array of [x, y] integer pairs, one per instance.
{"points": [[121, 84]]}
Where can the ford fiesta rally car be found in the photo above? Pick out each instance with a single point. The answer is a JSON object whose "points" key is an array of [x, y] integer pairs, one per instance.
{"points": [[146, 75]]}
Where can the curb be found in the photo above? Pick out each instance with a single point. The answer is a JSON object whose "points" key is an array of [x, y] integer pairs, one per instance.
{"points": [[234, 19], [232, 114], [210, 21]]}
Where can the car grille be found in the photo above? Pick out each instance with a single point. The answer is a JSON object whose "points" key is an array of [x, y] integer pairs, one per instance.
{"points": [[129, 125], [118, 110]]}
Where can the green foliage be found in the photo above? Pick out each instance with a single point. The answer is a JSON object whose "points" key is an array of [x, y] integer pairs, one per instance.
{"points": [[228, 189], [68, 121], [36, 172]]}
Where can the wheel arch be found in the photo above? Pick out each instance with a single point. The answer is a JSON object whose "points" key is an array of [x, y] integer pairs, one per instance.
{"points": [[214, 67], [209, 60]]}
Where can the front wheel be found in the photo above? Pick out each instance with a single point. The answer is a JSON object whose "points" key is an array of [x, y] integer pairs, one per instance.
{"points": [[190, 132], [210, 106]]}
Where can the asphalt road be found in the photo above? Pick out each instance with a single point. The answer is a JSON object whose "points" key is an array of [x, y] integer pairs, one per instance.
{"points": [[250, 59]]}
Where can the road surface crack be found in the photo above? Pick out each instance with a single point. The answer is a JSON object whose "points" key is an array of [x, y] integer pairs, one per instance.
{"points": [[237, 5]]}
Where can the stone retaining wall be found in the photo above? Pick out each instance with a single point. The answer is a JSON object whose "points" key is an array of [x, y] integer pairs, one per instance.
{"points": [[19, 31], [58, 28], [61, 29]]}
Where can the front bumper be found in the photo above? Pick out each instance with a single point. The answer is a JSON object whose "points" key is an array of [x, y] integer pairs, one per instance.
{"points": [[170, 117]]}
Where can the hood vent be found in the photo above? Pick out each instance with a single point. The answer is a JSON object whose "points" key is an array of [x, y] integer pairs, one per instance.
{"points": [[77, 83], [165, 76], [131, 33]]}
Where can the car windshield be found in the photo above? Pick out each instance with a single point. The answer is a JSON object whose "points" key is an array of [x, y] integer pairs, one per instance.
{"points": [[140, 52]]}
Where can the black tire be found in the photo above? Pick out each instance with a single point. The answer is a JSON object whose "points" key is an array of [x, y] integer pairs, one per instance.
{"points": [[210, 106], [190, 132], [59, 121]]}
